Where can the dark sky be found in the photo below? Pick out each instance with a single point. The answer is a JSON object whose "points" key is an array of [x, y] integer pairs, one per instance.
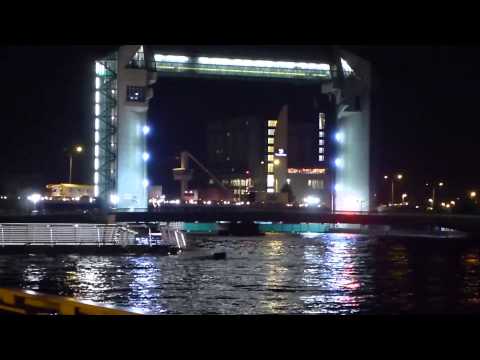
{"points": [[424, 121]]}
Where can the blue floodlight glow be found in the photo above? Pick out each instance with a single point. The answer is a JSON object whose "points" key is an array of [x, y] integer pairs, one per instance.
{"points": [[339, 136], [339, 162], [145, 183], [146, 130], [145, 156]]}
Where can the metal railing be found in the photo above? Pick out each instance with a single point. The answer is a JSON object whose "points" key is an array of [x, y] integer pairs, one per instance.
{"points": [[65, 234]]}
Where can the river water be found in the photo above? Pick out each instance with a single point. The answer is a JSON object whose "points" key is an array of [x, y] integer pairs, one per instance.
{"points": [[272, 274]]}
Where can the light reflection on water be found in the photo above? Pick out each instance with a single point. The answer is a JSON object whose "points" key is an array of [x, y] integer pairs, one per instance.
{"points": [[273, 274], [330, 274]]}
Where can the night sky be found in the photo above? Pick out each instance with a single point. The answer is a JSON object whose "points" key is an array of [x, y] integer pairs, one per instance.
{"points": [[424, 116]]}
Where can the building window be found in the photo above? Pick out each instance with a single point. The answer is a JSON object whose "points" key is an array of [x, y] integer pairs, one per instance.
{"points": [[320, 150], [321, 134], [135, 94], [271, 132], [321, 142], [270, 158], [315, 184], [271, 141], [271, 150], [272, 123], [138, 60], [321, 121], [321, 158], [270, 181], [270, 168]]}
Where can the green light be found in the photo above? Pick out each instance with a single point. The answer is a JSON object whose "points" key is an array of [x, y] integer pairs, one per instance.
{"points": [[240, 71]]}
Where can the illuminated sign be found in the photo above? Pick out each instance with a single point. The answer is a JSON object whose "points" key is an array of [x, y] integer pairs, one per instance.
{"points": [[306, 171]]}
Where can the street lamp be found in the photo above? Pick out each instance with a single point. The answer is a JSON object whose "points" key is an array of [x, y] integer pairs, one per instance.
{"points": [[440, 184], [398, 177], [473, 194], [403, 198], [78, 150]]}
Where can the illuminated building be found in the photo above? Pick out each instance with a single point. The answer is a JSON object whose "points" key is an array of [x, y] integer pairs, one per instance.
{"points": [[122, 93], [233, 153], [69, 190], [277, 152]]}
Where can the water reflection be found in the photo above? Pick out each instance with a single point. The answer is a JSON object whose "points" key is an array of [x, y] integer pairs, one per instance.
{"points": [[471, 278], [144, 284], [32, 276], [275, 274], [330, 275]]}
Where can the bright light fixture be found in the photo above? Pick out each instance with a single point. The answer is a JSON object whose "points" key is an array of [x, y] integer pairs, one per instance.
{"points": [[146, 130], [311, 200], [34, 198], [114, 199], [145, 156], [339, 162], [339, 136], [347, 69], [262, 63], [171, 58]]}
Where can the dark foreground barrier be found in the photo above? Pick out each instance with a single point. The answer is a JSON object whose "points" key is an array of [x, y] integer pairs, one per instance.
{"points": [[26, 302]]}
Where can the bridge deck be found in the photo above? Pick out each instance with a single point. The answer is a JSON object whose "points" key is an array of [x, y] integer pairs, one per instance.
{"points": [[469, 223]]}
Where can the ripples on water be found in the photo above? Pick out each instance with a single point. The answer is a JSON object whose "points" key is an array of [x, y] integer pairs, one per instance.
{"points": [[273, 274]]}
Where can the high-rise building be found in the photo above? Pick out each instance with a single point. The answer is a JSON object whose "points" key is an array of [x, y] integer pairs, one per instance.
{"points": [[234, 153], [251, 154]]}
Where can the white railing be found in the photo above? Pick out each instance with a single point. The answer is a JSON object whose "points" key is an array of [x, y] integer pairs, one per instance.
{"points": [[169, 236], [65, 234]]}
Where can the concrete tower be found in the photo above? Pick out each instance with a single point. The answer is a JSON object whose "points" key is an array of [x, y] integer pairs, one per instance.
{"points": [[121, 104]]}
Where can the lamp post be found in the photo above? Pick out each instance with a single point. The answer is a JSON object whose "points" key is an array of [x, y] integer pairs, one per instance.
{"points": [[77, 149], [398, 177], [440, 184], [434, 187]]}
